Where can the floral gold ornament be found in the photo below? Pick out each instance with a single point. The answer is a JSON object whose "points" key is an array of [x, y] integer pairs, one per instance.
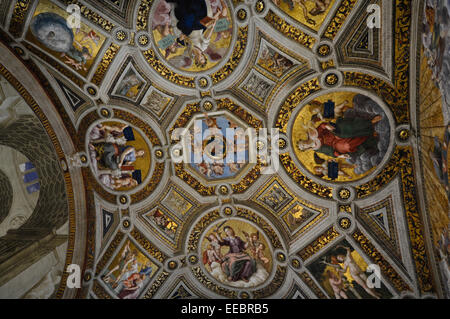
{"points": [[331, 79], [126, 223], [223, 190], [208, 106], [143, 39], [244, 295], [92, 91], [123, 199], [295, 263], [19, 50], [345, 209], [172, 264], [83, 159], [242, 14], [289, 30], [345, 223], [260, 145], [344, 193], [282, 143], [87, 276], [121, 35], [193, 259], [203, 82], [260, 6], [281, 257], [324, 50], [159, 154], [403, 135], [105, 112], [228, 211]]}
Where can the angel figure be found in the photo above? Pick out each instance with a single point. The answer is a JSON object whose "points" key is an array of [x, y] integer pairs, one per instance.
{"points": [[355, 271], [337, 284], [256, 247]]}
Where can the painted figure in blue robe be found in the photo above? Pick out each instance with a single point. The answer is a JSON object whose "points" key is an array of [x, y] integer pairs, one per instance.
{"points": [[52, 31]]}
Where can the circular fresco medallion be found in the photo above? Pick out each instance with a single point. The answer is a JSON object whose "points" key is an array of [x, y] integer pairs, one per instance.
{"points": [[120, 157], [236, 254], [192, 36], [341, 136]]}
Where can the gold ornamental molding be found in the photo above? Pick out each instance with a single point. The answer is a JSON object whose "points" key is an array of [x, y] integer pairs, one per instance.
{"points": [[18, 17], [105, 63], [293, 100], [143, 15], [318, 244], [109, 252], [289, 30], [232, 63], [312, 285], [167, 73], [370, 250], [339, 19], [302, 180]]}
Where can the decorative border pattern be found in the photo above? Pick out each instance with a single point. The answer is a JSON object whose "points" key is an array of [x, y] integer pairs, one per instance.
{"points": [[384, 177], [199, 227], [18, 17], [276, 283], [105, 63], [234, 60], [303, 181], [148, 246], [99, 291], [92, 16], [318, 244], [143, 15], [397, 102], [302, 92], [312, 285], [156, 285], [203, 279], [339, 18], [375, 256], [166, 72], [289, 30], [109, 252]]}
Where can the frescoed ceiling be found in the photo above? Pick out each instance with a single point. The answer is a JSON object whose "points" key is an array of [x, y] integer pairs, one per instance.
{"points": [[224, 149]]}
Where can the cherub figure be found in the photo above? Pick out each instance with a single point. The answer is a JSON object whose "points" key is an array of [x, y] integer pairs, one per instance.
{"points": [[355, 271], [337, 284], [256, 247]]}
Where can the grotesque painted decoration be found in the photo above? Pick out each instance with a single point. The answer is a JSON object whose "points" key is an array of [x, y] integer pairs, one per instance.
{"points": [[236, 253], [129, 272], [120, 157], [341, 136], [192, 35], [312, 13], [343, 274], [50, 31]]}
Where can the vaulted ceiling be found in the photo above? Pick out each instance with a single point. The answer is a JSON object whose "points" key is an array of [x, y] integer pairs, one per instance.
{"points": [[114, 128]]}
